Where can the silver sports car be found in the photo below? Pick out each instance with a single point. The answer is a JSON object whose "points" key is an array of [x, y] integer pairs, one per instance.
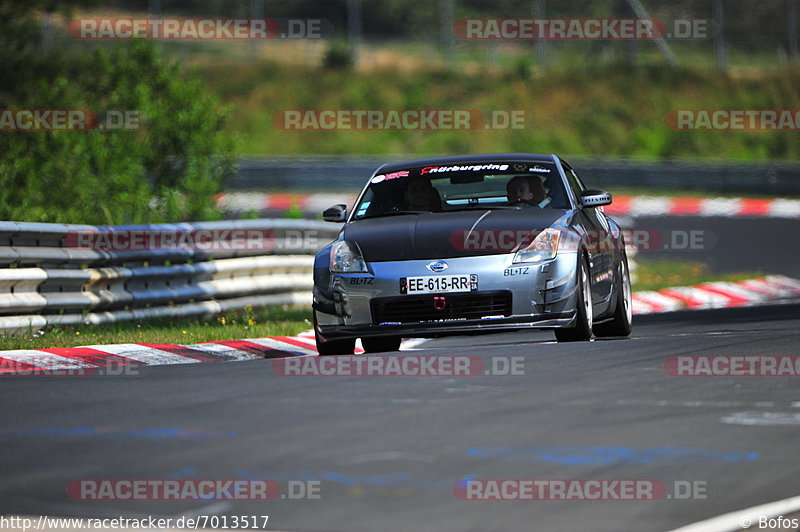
{"points": [[467, 244]]}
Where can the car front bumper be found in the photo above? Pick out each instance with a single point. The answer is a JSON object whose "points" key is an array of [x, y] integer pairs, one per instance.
{"points": [[541, 296]]}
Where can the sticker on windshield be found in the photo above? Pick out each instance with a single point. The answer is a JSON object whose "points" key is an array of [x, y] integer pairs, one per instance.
{"points": [[474, 168], [386, 177], [539, 169]]}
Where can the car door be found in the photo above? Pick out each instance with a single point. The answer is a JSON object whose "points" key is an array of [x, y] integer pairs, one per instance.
{"points": [[601, 256]]}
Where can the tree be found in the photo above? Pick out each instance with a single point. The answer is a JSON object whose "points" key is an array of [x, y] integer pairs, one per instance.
{"points": [[166, 170]]}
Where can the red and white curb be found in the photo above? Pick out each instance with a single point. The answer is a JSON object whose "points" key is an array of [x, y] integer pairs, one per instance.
{"points": [[717, 295], [88, 358], [85, 360], [633, 206]]}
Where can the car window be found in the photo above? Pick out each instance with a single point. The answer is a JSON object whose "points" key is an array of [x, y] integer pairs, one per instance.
{"points": [[574, 181], [578, 179], [453, 187]]}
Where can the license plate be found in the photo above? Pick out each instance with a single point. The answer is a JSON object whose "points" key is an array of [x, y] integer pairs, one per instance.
{"points": [[438, 284]]}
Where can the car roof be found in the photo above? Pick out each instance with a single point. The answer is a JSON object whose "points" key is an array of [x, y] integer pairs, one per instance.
{"points": [[467, 159]]}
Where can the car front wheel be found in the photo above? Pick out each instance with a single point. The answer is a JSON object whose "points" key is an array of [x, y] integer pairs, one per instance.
{"points": [[333, 347], [581, 330], [620, 324]]}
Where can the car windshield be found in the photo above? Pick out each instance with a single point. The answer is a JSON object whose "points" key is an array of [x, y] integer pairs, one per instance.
{"points": [[459, 187]]}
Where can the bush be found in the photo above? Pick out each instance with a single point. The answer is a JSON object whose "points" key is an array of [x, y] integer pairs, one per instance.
{"points": [[167, 170]]}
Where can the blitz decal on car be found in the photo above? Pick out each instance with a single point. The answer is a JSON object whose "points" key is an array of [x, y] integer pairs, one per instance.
{"points": [[510, 272], [362, 280]]}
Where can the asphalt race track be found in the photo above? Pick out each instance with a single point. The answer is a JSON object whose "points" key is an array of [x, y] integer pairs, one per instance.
{"points": [[388, 451]]}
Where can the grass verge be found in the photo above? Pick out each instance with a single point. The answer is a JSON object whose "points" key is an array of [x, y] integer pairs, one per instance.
{"points": [[658, 274]]}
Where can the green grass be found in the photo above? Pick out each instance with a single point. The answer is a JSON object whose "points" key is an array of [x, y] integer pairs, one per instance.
{"points": [[609, 110], [585, 101], [276, 321], [658, 274]]}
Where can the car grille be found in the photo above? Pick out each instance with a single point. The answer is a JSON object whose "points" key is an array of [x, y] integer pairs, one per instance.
{"points": [[432, 308]]}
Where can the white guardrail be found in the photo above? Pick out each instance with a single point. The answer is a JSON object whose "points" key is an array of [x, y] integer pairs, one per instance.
{"points": [[58, 274]]}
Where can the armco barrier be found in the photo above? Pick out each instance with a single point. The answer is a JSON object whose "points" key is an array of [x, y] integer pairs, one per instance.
{"points": [[59, 274]]}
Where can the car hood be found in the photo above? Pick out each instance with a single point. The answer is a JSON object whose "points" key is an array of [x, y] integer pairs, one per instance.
{"points": [[447, 234]]}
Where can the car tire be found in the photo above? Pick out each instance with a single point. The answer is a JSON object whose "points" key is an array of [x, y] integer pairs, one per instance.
{"points": [[333, 347], [581, 330], [381, 344], [620, 324]]}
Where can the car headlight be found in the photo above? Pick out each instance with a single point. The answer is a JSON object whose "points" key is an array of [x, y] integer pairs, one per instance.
{"points": [[544, 247], [346, 258]]}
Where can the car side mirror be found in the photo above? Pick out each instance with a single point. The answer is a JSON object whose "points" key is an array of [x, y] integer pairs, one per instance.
{"points": [[337, 213], [595, 198]]}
